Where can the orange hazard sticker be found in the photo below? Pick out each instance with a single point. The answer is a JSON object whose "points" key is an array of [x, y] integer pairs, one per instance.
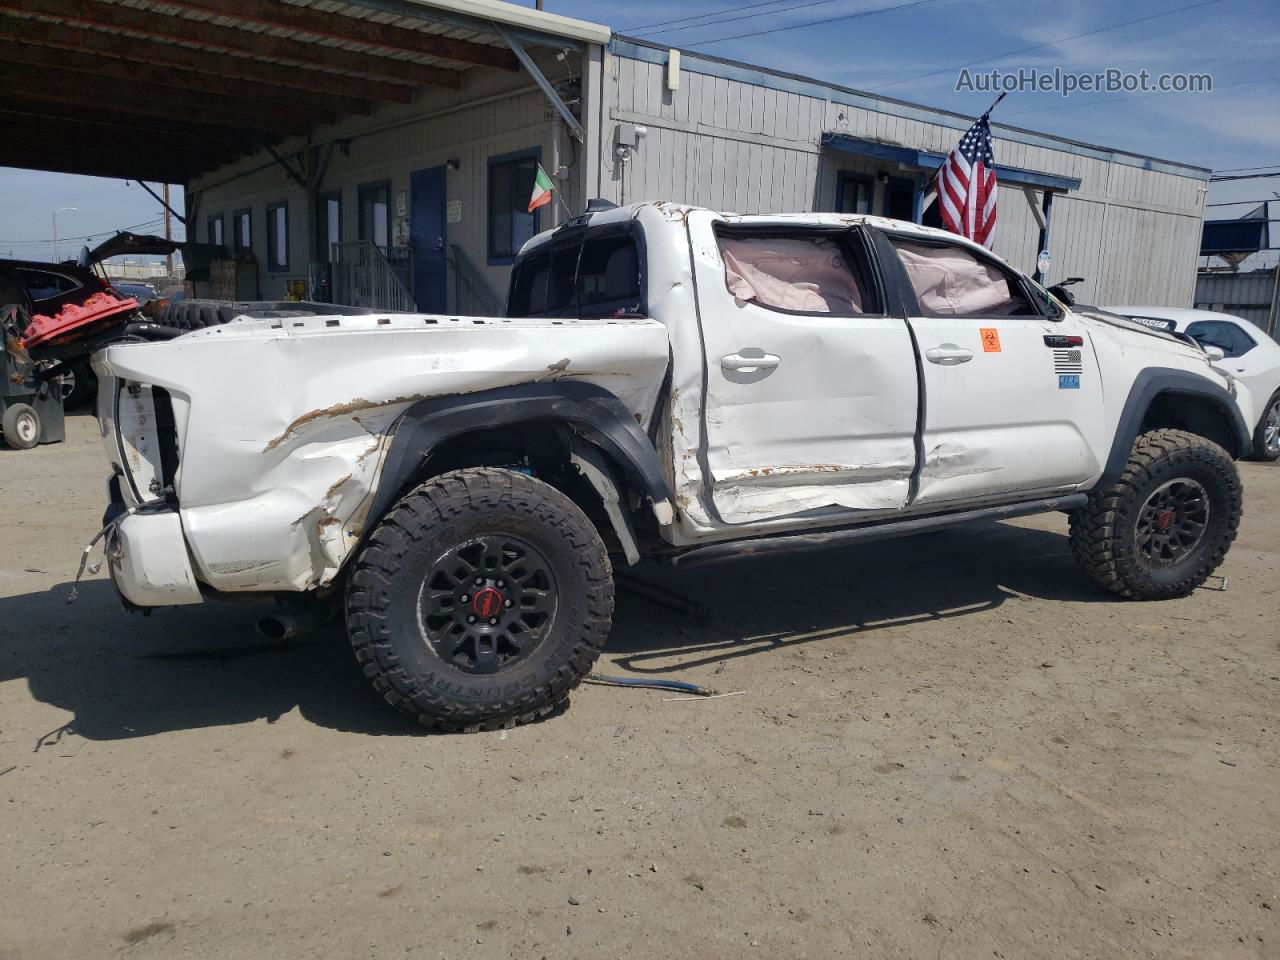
{"points": [[990, 340]]}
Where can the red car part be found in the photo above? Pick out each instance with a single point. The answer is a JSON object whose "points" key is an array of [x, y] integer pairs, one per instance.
{"points": [[78, 320]]}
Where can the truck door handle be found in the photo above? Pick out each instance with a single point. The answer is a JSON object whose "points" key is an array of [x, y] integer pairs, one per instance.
{"points": [[948, 354], [736, 361]]}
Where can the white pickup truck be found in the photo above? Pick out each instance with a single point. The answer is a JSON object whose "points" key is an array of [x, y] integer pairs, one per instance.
{"points": [[670, 383]]}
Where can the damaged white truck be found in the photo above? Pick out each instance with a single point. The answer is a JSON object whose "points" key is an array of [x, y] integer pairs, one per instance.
{"points": [[670, 383]]}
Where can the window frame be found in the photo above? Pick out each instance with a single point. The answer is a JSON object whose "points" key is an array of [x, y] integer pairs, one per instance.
{"points": [[274, 265], [907, 292], [25, 274], [361, 191], [847, 177], [325, 252], [495, 259], [858, 250], [220, 220], [236, 246]]}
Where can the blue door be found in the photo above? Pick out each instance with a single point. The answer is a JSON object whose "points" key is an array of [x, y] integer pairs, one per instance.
{"points": [[430, 244]]}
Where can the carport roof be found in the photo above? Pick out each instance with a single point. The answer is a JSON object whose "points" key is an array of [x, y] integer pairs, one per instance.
{"points": [[166, 89]]}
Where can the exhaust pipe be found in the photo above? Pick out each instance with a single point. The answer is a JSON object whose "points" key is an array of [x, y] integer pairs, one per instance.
{"points": [[295, 620]]}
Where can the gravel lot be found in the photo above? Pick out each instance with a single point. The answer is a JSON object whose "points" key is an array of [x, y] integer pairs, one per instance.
{"points": [[949, 746]]}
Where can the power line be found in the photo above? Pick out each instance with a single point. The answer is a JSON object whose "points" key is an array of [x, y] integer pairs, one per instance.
{"points": [[87, 236], [699, 16], [814, 23], [1048, 43], [1240, 203], [745, 16], [1245, 176]]}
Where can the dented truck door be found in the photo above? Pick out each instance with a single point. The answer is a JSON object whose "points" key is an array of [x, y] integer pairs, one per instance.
{"points": [[1011, 384], [810, 388]]}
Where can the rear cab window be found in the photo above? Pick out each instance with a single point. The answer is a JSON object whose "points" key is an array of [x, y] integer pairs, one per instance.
{"points": [[949, 280], [801, 271], [587, 274]]}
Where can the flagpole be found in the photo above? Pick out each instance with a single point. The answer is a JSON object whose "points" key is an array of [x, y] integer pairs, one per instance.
{"points": [[996, 104]]}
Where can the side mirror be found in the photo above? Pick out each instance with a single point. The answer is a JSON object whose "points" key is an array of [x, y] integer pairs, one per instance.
{"points": [[1215, 354]]}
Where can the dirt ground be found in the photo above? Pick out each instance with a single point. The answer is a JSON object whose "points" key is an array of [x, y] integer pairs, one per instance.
{"points": [[949, 746]]}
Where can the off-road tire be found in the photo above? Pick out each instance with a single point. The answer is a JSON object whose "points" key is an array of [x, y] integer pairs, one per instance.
{"points": [[21, 426], [1260, 449], [1103, 534], [384, 600]]}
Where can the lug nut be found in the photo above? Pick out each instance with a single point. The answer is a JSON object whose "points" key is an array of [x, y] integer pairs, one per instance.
{"points": [[493, 621], [471, 619], [479, 581], [506, 603], [464, 598], [501, 584]]}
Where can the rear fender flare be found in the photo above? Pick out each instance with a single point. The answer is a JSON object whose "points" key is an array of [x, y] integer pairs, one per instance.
{"points": [[592, 412]]}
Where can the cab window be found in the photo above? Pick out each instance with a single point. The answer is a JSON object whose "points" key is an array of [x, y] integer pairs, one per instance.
{"points": [[795, 271], [1233, 341], [953, 281], [542, 284]]}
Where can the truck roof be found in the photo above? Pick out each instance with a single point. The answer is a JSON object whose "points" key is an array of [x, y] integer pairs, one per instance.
{"points": [[653, 212]]}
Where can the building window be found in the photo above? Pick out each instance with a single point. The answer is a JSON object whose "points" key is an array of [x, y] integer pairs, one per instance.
{"points": [[375, 213], [278, 236], [214, 230], [328, 224], [510, 187], [242, 231], [853, 193]]}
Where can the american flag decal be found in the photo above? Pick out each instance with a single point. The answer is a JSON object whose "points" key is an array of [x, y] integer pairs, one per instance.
{"points": [[1067, 361], [967, 185]]}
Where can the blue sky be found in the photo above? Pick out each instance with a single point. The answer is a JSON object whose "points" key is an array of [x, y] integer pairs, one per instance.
{"points": [[1237, 41]]}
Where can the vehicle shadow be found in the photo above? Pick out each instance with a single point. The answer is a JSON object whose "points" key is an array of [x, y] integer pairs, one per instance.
{"points": [[123, 676]]}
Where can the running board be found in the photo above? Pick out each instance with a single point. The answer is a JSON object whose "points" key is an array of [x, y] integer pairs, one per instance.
{"points": [[792, 543]]}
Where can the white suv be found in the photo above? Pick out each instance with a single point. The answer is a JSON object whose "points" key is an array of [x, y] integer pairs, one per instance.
{"points": [[1249, 355]]}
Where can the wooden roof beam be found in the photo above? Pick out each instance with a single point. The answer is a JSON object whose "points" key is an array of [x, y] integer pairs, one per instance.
{"points": [[54, 59], [156, 26], [64, 36], [335, 26], [33, 91]]}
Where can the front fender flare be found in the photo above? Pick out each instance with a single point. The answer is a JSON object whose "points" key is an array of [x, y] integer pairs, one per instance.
{"points": [[1148, 385], [593, 412]]}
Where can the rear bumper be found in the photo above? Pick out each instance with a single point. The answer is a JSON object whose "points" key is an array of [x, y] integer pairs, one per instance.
{"points": [[149, 562]]}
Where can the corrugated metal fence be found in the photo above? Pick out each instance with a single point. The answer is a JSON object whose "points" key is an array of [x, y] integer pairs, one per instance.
{"points": [[1251, 295]]}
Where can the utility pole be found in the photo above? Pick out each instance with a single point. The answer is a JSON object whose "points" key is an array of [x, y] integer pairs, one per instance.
{"points": [[168, 235]]}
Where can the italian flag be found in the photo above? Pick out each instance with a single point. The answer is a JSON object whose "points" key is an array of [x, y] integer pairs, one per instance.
{"points": [[541, 190]]}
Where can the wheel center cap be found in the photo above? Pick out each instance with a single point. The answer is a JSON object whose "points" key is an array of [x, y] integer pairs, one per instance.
{"points": [[1164, 519], [487, 602]]}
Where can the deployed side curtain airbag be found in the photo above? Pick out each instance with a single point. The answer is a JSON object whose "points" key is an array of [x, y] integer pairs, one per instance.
{"points": [[808, 275], [950, 282]]}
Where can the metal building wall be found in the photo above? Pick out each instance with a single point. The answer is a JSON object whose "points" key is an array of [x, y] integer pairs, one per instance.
{"points": [[492, 117], [730, 144]]}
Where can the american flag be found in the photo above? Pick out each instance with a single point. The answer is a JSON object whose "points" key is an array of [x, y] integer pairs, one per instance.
{"points": [[967, 185]]}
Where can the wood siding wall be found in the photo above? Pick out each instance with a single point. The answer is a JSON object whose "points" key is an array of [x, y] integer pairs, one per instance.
{"points": [[1132, 233]]}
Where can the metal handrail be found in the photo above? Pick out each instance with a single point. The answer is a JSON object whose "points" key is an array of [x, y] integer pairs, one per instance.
{"points": [[472, 294], [362, 276]]}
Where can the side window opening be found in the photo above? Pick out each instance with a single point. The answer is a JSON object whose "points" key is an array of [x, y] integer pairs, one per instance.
{"points": [[796, 272], [609, 277], [951, 281]]}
